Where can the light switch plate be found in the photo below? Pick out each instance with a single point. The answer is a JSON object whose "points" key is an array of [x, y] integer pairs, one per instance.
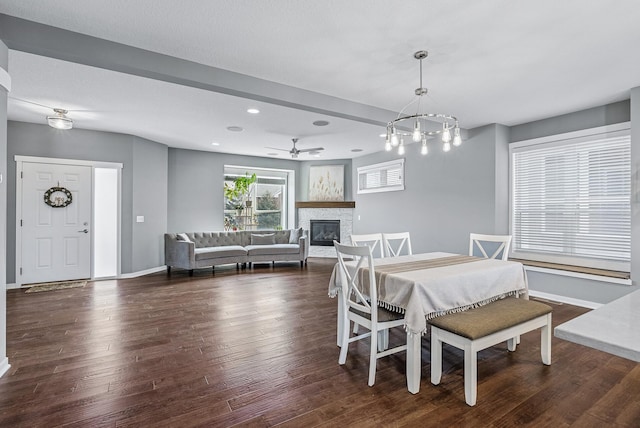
{"points": [[140, 219]]}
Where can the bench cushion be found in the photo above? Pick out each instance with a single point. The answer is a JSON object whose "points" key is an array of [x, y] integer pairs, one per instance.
{"points": [[491, 318], [217, 252]]}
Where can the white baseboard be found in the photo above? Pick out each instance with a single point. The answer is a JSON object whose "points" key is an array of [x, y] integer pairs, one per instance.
{"points": [[122, 276], [4, 366], [142, 272], [564, 299]]}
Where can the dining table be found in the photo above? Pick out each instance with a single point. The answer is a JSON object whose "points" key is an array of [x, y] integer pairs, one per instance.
{"points": [[427, 285]]}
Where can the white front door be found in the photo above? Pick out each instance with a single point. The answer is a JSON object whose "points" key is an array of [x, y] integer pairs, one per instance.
{"points": [[56, 241]]}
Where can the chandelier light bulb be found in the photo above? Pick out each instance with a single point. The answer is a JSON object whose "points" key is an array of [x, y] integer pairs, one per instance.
{"points": [[417, 135], [401, 147], [457, 139], [446, 146], [446, 133], [387, 146], [394, 137], [424, 150]]}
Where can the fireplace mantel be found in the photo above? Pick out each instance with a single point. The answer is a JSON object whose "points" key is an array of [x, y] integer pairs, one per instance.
{"points": [[325, 204]]}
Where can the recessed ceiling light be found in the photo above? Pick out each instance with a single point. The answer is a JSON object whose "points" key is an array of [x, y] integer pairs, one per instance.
{"points": [[215, 144], [320, 123], [235, 128], [356, 150], [253, 111], [382, 135]]}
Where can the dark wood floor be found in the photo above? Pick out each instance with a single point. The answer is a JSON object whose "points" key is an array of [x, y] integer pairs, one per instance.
{"points": [[258, 348]]}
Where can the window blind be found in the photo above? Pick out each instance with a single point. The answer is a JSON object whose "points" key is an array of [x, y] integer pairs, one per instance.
{"points": [[381, 177], [571, 201]]}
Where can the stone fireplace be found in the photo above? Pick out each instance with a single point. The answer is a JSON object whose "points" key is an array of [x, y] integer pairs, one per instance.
{"points": [[339, 212]]}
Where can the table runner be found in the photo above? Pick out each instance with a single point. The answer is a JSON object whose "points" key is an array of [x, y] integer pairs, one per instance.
{"points": [[448, 283]]}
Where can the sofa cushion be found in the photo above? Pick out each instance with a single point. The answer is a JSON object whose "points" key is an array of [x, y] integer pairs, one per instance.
{"points": [[216, 239], [265, 239], [295, 235], [258, 250], [216, 252], [183, 237]]}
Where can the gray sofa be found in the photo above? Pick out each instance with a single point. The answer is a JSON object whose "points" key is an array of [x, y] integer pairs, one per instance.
{"points": [[208, 249]]}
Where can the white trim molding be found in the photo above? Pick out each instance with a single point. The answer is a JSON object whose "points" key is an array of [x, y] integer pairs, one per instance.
{"points": [[4, 366], [563, 299], [5, 79], [142, 272]]}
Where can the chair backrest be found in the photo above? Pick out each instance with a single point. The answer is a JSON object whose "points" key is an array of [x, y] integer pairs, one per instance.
{"points": [[371, 240], [501, 243], [361, 298], [396, 244]]}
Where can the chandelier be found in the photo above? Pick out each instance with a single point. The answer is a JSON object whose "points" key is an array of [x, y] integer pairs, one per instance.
{"points": [[449, 131]]}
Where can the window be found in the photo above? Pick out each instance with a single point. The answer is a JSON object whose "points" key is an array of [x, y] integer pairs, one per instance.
{"points": [[381, 177], [570, 198], [265, 206]]}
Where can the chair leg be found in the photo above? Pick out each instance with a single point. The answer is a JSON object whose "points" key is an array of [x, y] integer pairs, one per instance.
{"points": [[545, 342], [511, 344], [345, 343], [168, 270], [383, 340], [470, 374], [373, 358], [190, 272], [436, 356]]}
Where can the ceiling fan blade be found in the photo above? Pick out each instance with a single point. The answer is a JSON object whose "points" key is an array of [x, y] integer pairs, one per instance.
{"points": [[315, 149], [275, 148]]}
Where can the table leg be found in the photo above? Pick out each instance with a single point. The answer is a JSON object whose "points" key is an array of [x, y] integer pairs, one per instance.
{"points": [[413, 362]]}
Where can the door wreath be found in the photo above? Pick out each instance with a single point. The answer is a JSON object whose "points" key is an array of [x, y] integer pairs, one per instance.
{"points": [[58, 197]]}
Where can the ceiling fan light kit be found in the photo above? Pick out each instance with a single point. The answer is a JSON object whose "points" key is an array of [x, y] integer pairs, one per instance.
{"points": [[60, 120], [395, 138]]}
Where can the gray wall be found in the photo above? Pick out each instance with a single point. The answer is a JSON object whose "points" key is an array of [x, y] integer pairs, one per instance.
{"points": [[196, 180], [446, 196], [4, 59], [134, 153], [149, 199]]}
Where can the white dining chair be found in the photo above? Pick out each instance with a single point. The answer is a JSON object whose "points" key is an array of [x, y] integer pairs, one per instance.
{"points": [[360, 305], [499, 244], [397, 244], [372, 240]]}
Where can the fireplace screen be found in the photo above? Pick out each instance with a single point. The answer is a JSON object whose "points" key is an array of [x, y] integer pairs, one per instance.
{"points": [[323, 232]]}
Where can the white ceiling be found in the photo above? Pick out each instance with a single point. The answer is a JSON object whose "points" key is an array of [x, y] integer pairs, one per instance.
{"points": [[495, 61]]}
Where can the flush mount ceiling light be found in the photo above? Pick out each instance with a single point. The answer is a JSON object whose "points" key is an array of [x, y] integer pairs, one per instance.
{"points": [[449, 132], [60, 120]]}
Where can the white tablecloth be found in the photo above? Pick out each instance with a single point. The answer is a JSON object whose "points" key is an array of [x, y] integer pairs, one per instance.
{"points": [[425, 293]]}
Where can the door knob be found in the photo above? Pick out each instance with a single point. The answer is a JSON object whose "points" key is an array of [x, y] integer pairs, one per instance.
{"points": [[84, 231]]}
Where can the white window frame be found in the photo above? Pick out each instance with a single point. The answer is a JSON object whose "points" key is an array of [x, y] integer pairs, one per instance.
{"points": [[288, 212], [381, 167], [556, 140]]}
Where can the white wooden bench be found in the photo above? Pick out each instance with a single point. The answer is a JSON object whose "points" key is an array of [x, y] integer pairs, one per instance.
{"points": [[483, 327]]}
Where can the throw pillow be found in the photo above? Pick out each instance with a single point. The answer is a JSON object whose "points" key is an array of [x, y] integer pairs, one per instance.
{"points": [[183, 237], [266, 239], [295, 235]]}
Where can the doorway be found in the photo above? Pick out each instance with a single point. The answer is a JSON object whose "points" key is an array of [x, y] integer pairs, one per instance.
{"points": [[67, 220]]}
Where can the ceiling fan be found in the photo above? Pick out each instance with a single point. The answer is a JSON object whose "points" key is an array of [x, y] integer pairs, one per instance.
{"points": [[295, 151]]}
